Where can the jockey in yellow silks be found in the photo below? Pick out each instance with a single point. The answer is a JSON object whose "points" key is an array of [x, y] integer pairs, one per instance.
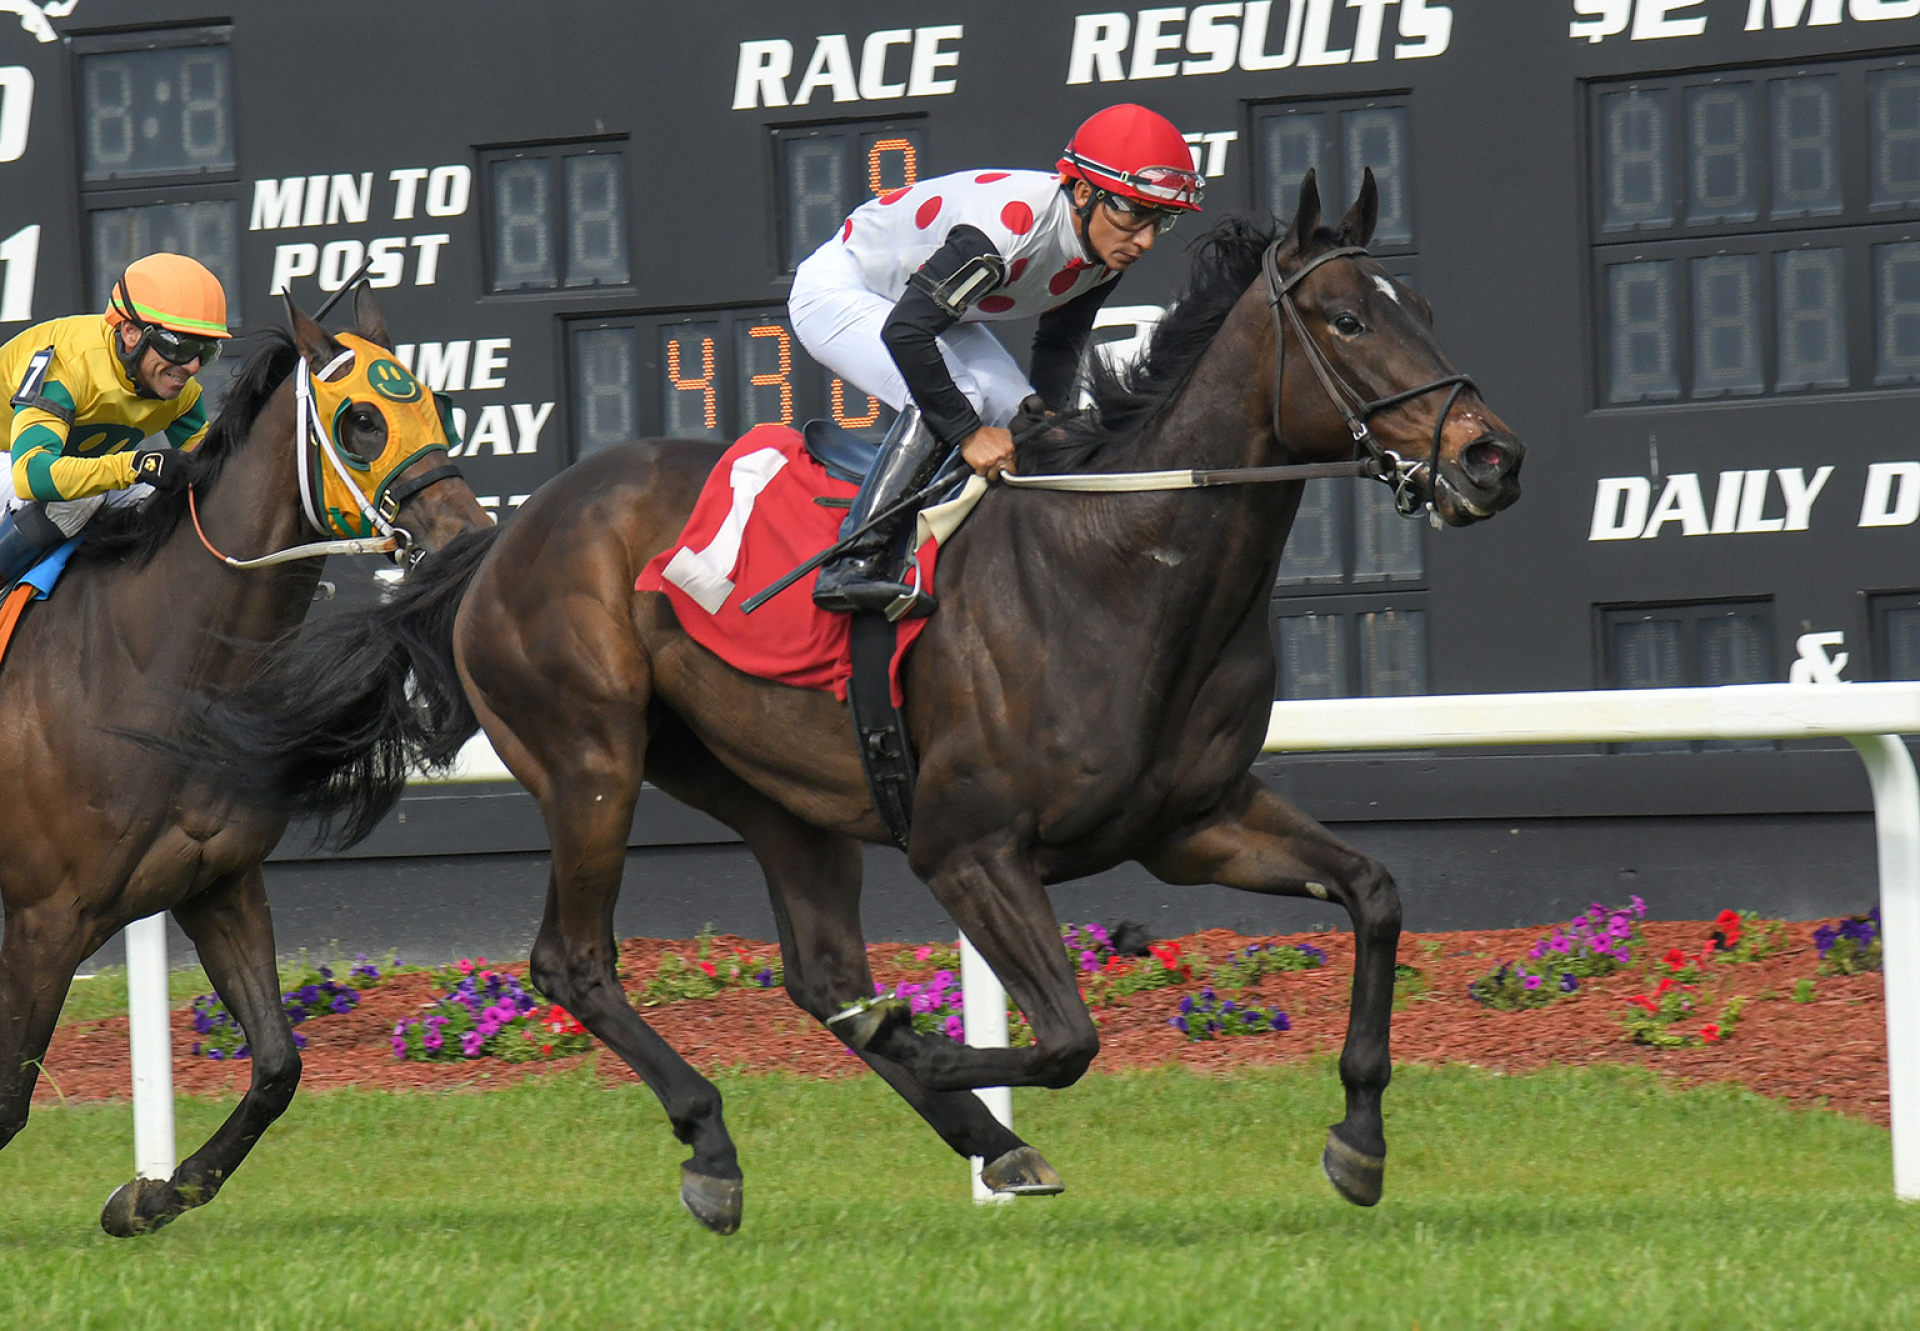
{"points": [[77, 395]]}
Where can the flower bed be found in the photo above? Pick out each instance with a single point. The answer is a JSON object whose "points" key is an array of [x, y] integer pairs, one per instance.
{"points": [[488, 1013], [1827, 1050]]}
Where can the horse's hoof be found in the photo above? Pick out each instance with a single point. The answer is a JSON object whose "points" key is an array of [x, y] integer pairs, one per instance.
{"points": [[860, 1028], [122, 1215], [714, 1202], [1024, 1172], [1355, 1175]]}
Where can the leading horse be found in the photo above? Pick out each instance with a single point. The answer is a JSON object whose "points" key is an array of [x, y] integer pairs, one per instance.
{"points": [[103, 828], [1093, 689]]}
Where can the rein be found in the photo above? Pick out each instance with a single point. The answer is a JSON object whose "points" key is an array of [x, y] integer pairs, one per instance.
{"points": [[1373, 460]]}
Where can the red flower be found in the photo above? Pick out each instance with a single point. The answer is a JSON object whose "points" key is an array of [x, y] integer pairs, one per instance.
{"points": [[1710, 1032], [1116, 964], [1665, 985], [1727, 919], [1641, 1000], [1168, 954], [1675, 958], [707, 966]]}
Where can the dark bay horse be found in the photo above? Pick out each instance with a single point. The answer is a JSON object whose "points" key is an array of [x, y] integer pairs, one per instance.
{"points": [[101, 828], [1093, 689]]}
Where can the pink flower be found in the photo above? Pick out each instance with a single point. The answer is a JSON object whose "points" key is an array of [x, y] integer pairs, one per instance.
{"points": [[466, 967], [956, 1029], [922, 953], [470, 1043]]}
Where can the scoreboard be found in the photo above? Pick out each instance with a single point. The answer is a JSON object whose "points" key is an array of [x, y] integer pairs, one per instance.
{"points": [[1677, 242]]}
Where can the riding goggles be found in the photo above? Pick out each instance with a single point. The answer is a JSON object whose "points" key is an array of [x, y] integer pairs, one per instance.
{"points": [[1173, 185], [182, 348], [1130, 215]]}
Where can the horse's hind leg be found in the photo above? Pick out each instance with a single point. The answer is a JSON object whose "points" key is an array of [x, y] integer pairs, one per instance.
{"points": [[813, 881], [1260, 843], [41, 949], [231, 928], [589, 810]]}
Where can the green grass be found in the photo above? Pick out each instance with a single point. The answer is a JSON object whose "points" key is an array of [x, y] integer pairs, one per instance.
{"points": [[1596, 1198]]}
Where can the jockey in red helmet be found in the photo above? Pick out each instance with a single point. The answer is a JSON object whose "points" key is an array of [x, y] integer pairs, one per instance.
{"points": [[893, 303]]}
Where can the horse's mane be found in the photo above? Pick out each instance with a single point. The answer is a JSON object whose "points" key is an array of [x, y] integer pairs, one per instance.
{"points": [[135, 534], [1225, 262]]}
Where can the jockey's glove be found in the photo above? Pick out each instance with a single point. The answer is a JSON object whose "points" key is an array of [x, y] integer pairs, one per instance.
{"points": [[167, 470]]}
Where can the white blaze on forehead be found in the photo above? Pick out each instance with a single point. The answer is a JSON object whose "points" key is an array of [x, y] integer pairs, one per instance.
{"points": [[1386, 288]]}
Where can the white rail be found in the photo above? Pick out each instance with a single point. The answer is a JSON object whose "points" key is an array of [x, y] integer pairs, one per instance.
{"points": [[1870, 716]]}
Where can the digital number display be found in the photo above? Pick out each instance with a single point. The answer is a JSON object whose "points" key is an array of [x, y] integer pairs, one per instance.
{"points": [[605, 406], [1313, 656], [1893, 135], [1393, 653], [1897, 313], [523, 254], [1386, 547], [207, 231], [1806, 147], [1339, 146], [1376, 138], [1646, 654], [1313, 551], [1292, 143], [559, 222], [690, 379], [1636, 160], [1720, 138], [712, 376], [147, 113], [1644, 328], [826, 173], [1810, 294], [1726, 326], [596, 221]]}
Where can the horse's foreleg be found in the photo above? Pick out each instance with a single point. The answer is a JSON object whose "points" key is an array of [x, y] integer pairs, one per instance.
{"points": [[233, 932], [1000, 904], [41, 949], [588, 814], [813, 882], [1260, 843]]}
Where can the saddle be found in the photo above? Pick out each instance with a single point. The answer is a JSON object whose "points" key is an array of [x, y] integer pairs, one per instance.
{"points": [[34, 585]]}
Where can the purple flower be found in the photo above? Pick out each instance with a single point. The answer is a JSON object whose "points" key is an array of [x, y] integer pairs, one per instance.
{"points": [[1567, 983], [1531, 982], [399, 1046], [434, 1041], [1280, 1022], [299, 1041], [1178, 1023], [956, 1030], [471, 1042]]}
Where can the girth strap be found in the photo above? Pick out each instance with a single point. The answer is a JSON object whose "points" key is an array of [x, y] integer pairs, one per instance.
{"points": [[886, 750]]}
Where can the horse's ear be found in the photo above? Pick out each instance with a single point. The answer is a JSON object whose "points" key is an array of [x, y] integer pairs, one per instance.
{"points": [[309, 337], [370, 323], [1306, 218], [1356, 228]]}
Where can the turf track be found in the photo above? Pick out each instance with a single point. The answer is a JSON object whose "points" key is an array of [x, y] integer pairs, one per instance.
{"points": [[1595, 1198]]}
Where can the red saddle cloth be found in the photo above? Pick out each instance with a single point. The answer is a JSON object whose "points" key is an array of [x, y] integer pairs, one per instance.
{"points": [[756, 518]]}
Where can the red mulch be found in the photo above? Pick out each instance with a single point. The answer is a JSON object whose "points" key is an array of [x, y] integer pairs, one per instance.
{"points": [[1832, 1051]]}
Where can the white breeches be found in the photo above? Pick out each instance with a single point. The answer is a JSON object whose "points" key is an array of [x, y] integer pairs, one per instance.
{"points": [[69, 515], [838, 321]]}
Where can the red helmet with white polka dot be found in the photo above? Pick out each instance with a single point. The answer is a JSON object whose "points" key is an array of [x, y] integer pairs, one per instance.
{"points": [[1137, 154]]}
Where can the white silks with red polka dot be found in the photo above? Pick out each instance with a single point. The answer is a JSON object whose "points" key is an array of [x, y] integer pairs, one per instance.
{"points": [[843, 293]]}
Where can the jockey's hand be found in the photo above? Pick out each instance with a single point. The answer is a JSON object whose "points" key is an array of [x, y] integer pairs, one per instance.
{"points": [[166, 469], [989, 451]]}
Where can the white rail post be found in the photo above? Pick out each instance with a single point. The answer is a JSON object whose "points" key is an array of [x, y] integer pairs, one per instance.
{"points": [[1896, 820], [152, 1047], [983, 1007]]}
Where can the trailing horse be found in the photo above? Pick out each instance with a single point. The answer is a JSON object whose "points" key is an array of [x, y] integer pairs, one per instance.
{"points": [[104, 826], [1094, 689]]}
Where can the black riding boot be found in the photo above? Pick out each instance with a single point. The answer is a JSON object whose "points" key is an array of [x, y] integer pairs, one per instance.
{"points": [[867, 576], [26, 538]]}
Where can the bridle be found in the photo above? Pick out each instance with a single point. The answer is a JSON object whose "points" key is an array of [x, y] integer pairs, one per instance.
{"points": [[1354, 407], [1372, 459], [312, 444]]}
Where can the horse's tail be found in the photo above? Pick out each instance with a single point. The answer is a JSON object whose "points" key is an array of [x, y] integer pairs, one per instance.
{"points": [[334, 721]]}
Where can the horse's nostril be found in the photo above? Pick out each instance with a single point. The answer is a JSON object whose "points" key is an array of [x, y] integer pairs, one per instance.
{"points": [[1485, 455]]}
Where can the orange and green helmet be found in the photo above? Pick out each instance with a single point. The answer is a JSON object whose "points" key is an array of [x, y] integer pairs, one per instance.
{"points": [[173, 292]]}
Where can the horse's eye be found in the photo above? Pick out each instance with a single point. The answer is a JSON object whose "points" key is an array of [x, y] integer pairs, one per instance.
{"points": [[1347, 326]]}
